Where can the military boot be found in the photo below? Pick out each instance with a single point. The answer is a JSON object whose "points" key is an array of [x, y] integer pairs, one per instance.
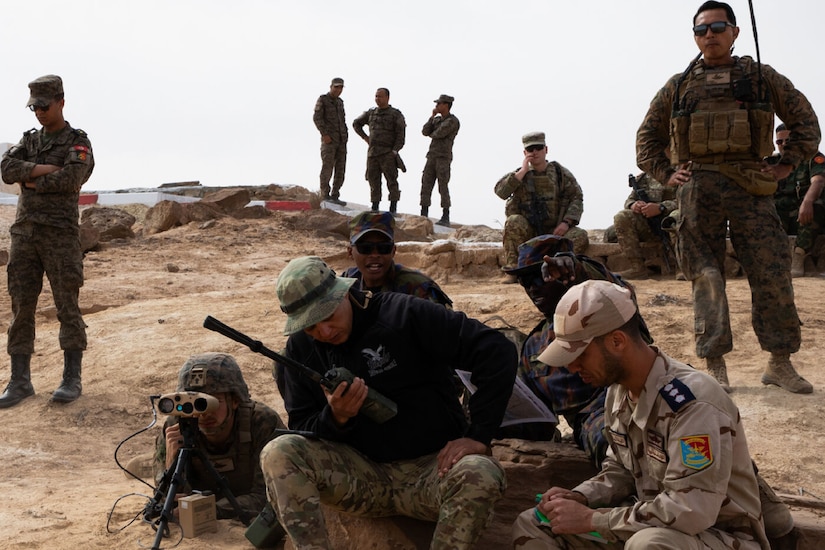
{"points": [[20, 385], [637, 270], [70, 388], [375, 206], [717, 368], [393, 207], [798, 262], [780, 372], [425, 211], [445, 218]]}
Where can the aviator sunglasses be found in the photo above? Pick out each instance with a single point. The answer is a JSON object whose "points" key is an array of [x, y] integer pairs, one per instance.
{"points": [[534, 148], [43, 108], [369, 248], [716, 28]]}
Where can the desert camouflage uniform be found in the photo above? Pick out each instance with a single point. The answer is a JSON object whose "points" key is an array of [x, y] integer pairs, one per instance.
{"points": [[715, 199], [442, 131], [387, 135], [632, 228], [788, 197], [678, 473], [237, 461], [330, 120], [536, 205], [45, 236], [406, 281]]}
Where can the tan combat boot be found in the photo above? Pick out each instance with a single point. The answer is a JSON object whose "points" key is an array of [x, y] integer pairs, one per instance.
{"points": [[717, 368], [637, 270], [780, 372], [798, 262]]}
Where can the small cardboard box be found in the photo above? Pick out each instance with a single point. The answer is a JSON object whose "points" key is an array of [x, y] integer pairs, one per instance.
{"points": [[197, 515]]}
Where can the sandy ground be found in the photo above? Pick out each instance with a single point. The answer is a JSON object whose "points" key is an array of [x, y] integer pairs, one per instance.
{"points": [[145, 301]]}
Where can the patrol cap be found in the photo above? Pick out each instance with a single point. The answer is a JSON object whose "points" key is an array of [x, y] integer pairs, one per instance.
{"points": [[531, 253], [363, 223], [444, 98], [213, 373], [44, 89], [533, 138], [309, 292], [337, 81], [590, 309]]}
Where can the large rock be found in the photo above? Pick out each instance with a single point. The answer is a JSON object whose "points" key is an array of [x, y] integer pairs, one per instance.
{"points": [[111, 223], [230, 200], [163, 216]]}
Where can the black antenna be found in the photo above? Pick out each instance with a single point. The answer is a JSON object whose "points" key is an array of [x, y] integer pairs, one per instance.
{"points": [[758, 56]]}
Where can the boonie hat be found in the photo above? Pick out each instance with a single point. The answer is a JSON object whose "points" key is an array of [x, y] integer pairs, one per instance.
{"points": [[531, 253], [590, 309], [309, 292], [213, 373], [444, 98], [337, 81], [533, 138], [363, 223], [44, 89]]}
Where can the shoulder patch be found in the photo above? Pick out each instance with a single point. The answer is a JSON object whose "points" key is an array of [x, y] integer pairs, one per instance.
{"points": [[819, 158], [696, 452], [676, 394]]}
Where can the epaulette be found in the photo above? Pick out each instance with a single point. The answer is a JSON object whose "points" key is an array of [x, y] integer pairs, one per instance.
{"points": [[676, 394]]}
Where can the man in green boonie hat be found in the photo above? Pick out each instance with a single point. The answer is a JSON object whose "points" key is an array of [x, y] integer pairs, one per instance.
{"points": [[427, 461]]}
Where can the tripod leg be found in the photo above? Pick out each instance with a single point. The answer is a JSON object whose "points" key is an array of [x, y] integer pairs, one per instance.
{"points": [[177, 480]]}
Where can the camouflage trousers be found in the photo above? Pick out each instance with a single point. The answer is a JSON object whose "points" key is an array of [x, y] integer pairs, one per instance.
{"points": [[333, 159], [805, 234], [387, 166], [631, 230], [436, 168], [518, 230], [37, 249], [712, 204], [529, 534], [301, 474]]}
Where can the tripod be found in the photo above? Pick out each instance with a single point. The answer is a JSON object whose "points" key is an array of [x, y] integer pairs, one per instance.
{"points": [[175, 477]]}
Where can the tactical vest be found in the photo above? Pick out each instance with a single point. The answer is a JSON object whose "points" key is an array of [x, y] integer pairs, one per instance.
{"points": [[537, 199], [718, 119], [234, 465]]}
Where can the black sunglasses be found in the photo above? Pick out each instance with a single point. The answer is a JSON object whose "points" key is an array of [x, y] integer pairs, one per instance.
{"points": [[370, 248], [716, 28], [531, 279], [534, 148], [34, 108]]}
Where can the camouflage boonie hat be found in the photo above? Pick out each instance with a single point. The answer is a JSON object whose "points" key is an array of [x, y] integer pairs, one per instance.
{"points": [[309, 292], [444, 98], [213, 373], [44, 89], [533, 138], [531, 253], [363, 223]]}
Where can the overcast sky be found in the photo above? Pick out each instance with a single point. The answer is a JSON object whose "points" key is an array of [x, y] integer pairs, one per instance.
{"points": [[223, 92]]}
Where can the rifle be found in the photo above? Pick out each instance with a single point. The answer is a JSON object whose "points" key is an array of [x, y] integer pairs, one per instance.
{"points": [[376, 407], [655, 222]]}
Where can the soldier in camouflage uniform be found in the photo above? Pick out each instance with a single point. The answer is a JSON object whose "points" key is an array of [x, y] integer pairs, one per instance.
{"points": [[799, 203], [331, 122], [718, 130], [632, 226], [426, 462], [231, 437], [388, 130], [372, 247], [542, 198], [441, 128], [50, 165], [678, 472]]}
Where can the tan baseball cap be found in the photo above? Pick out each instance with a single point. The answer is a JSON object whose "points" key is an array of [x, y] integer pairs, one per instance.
{"points": [[590, 309]]}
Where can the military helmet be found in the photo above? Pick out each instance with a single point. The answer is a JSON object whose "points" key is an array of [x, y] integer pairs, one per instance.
{"points": [[213, 373]]}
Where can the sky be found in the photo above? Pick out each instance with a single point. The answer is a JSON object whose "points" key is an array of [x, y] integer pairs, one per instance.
{"points": [[223, 92]]}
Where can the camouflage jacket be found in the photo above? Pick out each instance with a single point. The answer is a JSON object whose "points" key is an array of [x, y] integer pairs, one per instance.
{"points": [[552, 195], [789, 104], [656, 192], [388, 130], [406, 281], [681, 453], [54, 200], [329, 118], [442, 132], [239, 461], [792, 190]]}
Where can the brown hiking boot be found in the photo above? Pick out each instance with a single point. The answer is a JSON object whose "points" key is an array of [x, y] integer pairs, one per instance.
{"points": [[798, 262], [780, 372], [717, 368], [637, 270]]}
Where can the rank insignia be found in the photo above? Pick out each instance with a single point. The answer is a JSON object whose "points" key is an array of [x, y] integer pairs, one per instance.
{"points": [[696, 451]]}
